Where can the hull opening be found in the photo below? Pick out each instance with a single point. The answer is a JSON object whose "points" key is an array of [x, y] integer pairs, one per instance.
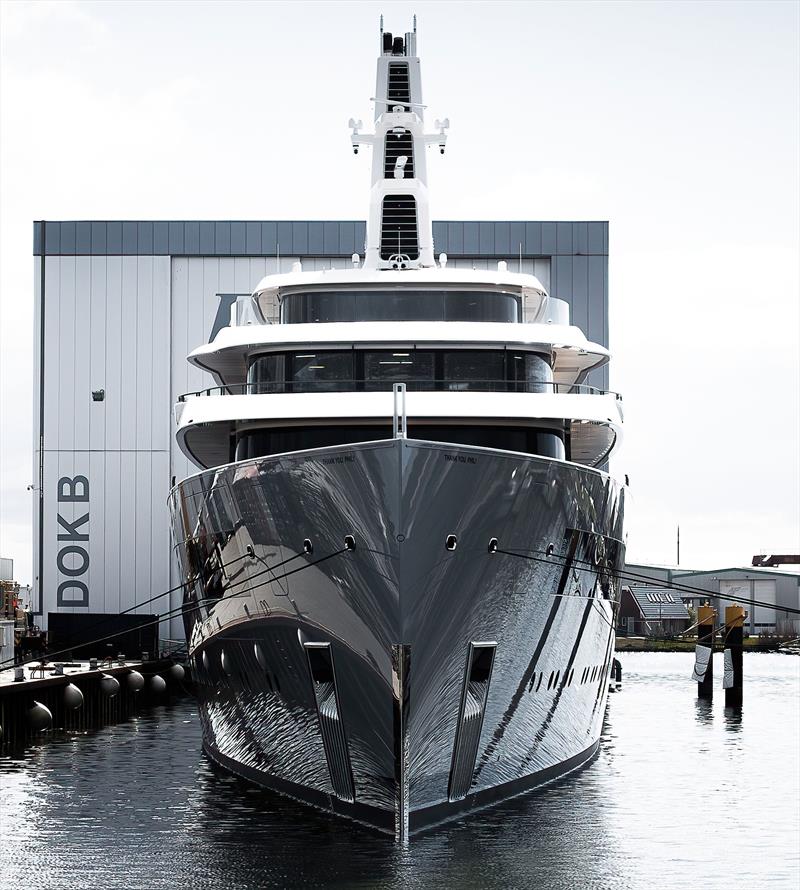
{"points": [[475, 691]]}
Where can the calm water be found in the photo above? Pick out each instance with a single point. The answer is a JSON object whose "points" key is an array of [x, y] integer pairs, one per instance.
{"points": [[681, 795]]}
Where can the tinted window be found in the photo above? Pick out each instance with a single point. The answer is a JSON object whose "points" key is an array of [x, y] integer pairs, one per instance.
{"points": [[319, 306], [259, 443], [266, 374], [381, 369], [321, 371], [399, 305], [277, 441], [474, 306], [531, 372], [464, 370]]}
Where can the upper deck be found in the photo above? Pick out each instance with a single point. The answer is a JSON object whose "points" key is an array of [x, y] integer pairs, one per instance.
{"points": [[474, 295], [361, 307]]}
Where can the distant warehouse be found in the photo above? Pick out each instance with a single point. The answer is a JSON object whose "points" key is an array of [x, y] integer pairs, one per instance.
{"points": [[119, 305], [762, 592]]}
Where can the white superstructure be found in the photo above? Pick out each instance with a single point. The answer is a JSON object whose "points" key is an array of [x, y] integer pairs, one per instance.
{"points": [[482, 348]]}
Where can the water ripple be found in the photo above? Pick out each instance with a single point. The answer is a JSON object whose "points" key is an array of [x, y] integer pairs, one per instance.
{"points": [[682, 794]]}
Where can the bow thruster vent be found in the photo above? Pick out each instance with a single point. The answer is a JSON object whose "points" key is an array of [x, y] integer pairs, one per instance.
{"points": [[470, 718], [334, 740]]}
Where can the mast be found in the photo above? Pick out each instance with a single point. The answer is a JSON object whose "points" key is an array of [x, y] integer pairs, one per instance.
{"points": [[399, 232]]}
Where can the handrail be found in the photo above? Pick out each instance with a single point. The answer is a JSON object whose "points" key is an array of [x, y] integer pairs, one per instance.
{"points": [[343, 385]]}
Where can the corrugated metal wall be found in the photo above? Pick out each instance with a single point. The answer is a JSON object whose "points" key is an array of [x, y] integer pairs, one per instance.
{"points": [[124, 303], [107, 326]]}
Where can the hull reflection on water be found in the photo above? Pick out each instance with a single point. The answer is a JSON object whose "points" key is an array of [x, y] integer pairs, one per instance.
{"points": [[414, 672]]}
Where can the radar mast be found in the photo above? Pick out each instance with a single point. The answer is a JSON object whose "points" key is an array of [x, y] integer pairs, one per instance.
{"points": [[399, 232]]}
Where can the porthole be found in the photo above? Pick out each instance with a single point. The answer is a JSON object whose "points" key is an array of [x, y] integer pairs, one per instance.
{"points": [[533, 680], [550, 681], [555, 682], [571, 675], [259, 654], [541, 677], [224, 663]]}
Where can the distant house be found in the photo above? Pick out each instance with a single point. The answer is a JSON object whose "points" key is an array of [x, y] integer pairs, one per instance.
{"points": [[652, 612]]}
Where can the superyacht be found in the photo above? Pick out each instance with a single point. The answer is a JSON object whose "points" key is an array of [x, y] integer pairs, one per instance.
{"points": [[400, 552]]}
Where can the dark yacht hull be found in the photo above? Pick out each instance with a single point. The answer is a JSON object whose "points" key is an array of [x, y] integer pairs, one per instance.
{"points": [[400, 683]]}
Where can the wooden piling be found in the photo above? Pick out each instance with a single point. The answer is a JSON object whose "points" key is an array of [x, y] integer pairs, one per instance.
{"points": [[734, 638], [705, 637]]}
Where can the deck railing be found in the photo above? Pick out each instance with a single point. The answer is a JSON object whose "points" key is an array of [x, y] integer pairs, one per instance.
{"points": [[386, 385]]}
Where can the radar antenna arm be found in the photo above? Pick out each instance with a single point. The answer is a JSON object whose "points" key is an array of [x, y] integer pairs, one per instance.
{"points": [[357, 139], [439, 138]]}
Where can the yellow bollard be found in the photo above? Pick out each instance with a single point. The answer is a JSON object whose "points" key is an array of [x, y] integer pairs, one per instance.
{"points": [[705, 638], [734, 639]]}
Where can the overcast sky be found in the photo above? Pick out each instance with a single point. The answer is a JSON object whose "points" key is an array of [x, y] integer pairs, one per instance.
{"points": [[677, 122]]}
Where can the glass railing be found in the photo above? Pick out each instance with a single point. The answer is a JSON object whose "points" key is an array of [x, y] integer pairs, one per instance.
{"points": [[247, 310], [352, 386]]}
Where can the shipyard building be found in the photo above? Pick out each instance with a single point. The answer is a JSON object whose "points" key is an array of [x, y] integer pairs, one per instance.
{"points": [[119, 305], [770, 596]]}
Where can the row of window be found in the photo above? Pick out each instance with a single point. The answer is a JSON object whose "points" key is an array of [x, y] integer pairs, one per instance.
{"points": [[420, 369], [400, 304], [526, 440], [588, 675]]}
